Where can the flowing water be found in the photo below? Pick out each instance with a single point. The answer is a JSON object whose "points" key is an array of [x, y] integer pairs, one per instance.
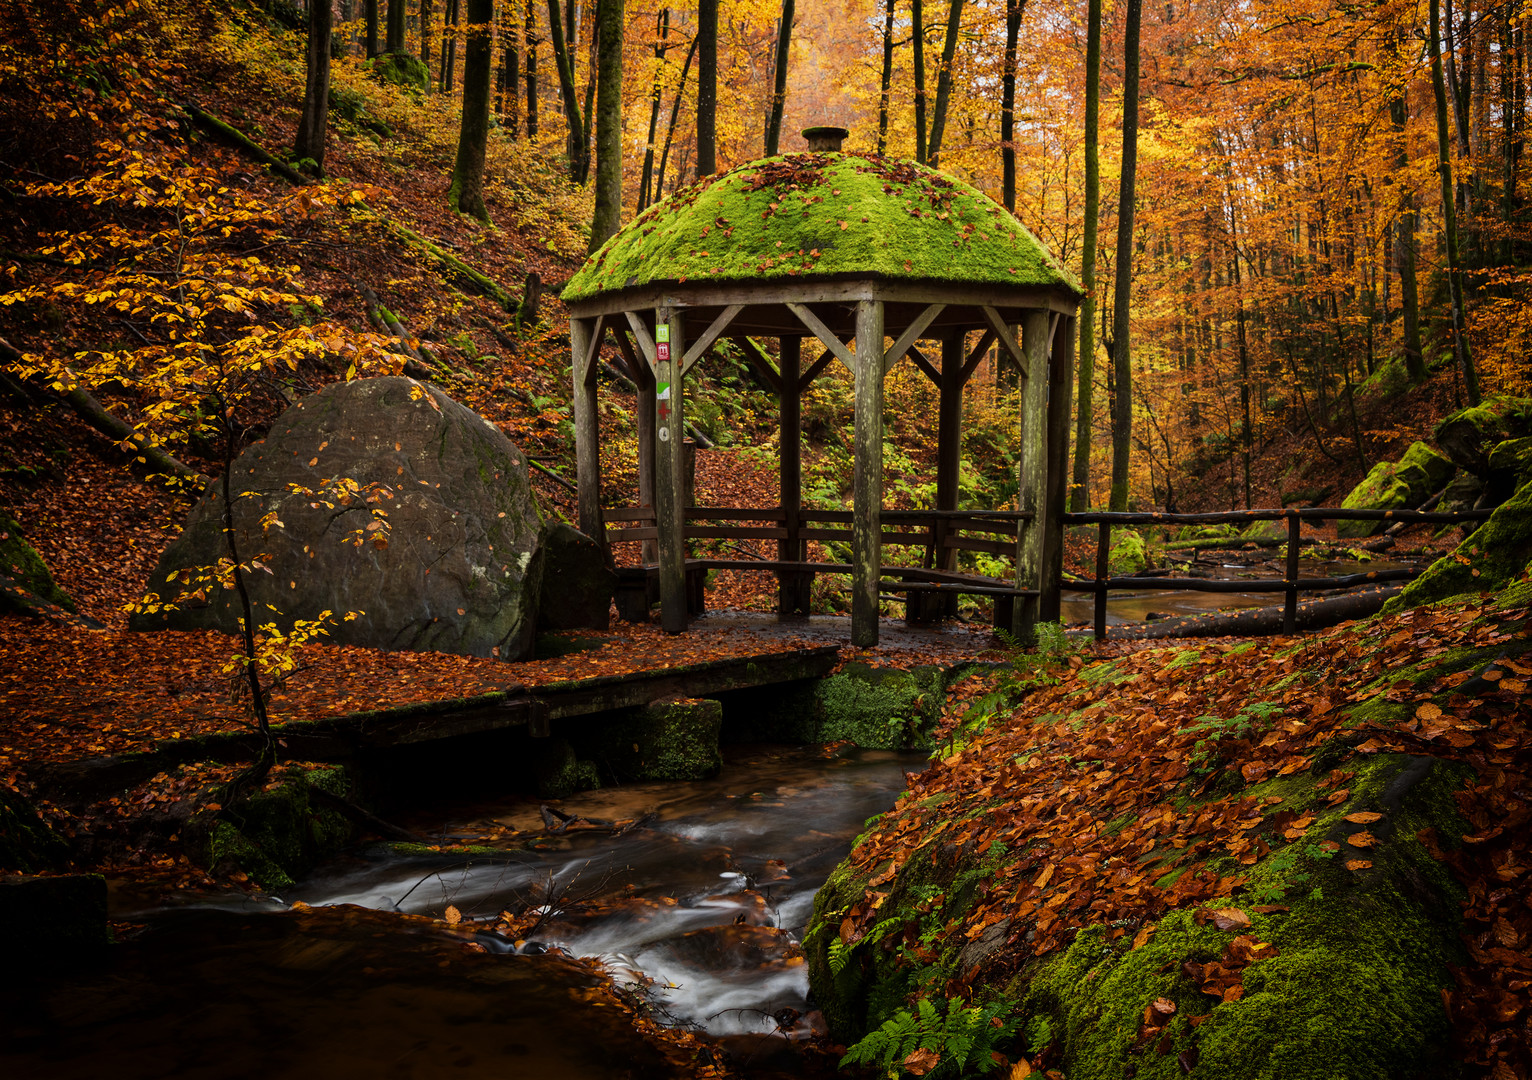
{"points": [[703, 898]]}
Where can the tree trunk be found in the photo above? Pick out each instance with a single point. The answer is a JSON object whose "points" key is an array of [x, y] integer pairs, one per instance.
{"points": [[1079, 495], [944, 81], [449, 50], [316, 92], [531, 34], [608, 212], [918, 42], [588, 114], [707, 87], [1013, 10], [394, 42], [427, 17], [372, 28], [510, 78], [656, 95], [1449, 214], [885, 86], [675, 115], [466, 195], [579, 166], [1404, 252], [1122, 404], [779, 79]]}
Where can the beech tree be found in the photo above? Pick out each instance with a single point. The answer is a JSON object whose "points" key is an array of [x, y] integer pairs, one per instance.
{"points": [[779, 79], [316, 92], [466, 195], [575, 146], [394, 41], [707, 87], [608, 211], [1079, 493], [1122, 365]]}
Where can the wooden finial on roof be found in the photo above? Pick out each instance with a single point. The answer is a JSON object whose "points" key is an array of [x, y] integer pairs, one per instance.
{"points": [[825, 138]]}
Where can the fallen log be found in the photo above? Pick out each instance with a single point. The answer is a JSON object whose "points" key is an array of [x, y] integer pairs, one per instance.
{"points": [[243, 143], [1254, 622]]}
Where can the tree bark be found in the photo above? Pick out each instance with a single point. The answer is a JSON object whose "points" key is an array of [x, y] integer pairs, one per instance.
{"points": [[1122, 404], [316, 92], [579, 165], [656, 98], [466, 195], [944, 81], [707, 87], [427, 17], [394, 41], [1013, 10], [372, 28], [449, 50], [918, 42], [675, 115], [779, 79], [885, 87], [531, 35], [1079, 494], [608, 212], [510, 78], [1404, 252], [1449, 214]]}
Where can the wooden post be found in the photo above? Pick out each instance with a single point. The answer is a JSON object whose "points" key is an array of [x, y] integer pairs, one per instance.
{"points": [[792, 591], [1290, 604], [669, 347], [1032, 489], [1061, 367], [1103, 569], [867, 480], [643, 377], [949, 456], [587, 433]]}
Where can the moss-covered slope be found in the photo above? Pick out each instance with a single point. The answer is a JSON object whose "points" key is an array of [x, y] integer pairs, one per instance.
{"points": [[822, 215]]}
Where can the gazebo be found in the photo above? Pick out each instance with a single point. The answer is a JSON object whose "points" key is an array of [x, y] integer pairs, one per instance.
{"points": [[868, 257]]}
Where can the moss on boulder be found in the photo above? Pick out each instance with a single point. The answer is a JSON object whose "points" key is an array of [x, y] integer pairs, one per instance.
{"points": [[880, 708], [278, 834], [1129, 552], [559, 771], [23, 573], [665, 740], [822, 215], [27, 843], [1468, 435], [402, 69], [1493, 556], [1401, 485]]}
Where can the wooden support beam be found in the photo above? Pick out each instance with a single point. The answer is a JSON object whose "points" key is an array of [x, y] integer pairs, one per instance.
{"points": [[1061, 374], [867, 474], [836, 346], [586, 370], [710, 335], [911, 335], [1032, 487], [669, 346], [1007, 338], [793, 588], [638, 370], [587, 433], [925, 365], [761, 362], [641, 335], [986, 339]]}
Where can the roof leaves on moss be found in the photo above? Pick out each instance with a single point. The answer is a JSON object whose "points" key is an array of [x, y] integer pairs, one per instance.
{"points": [[820, 215]]}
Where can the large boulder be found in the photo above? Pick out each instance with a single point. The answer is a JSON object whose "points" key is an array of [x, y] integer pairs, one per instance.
{"points": [[1493, 557], [1468, 435], [1395, 485], [24, 577], [458, 569], [578, 581]]}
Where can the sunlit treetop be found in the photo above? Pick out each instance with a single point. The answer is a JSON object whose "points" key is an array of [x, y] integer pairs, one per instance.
{"points": [[818, 216]]}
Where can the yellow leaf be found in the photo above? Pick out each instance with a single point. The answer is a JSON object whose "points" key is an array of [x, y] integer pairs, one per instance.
{"points": [[452, 915]]}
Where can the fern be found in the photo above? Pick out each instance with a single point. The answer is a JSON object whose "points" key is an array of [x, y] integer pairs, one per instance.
{"points": [[963, 1037], [839, 953]]}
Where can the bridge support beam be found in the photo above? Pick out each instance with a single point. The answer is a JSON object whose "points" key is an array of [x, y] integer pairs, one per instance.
{"points": [[867, 476], [670, 499]]}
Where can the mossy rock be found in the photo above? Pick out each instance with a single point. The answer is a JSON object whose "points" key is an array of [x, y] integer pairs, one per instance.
{"points": [[42, 919], [1494, 556], [27, 843], [23, 574], [1510, 466], [880, 708], [1468, 435], [402, 69], [278, 835], [1462, 493], [559, 771], [1387, 380], [1220, 531], [822, 215], [1129, 554], [665, 740], [578, 581], [1265, 532], [1437, 470], [1386, 487]]}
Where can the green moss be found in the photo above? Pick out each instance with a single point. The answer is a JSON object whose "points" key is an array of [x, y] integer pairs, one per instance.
{"points": [[27, 844], [1129, 554], [1436, 469], [668, 740], [1493, 557], [882, 708], [23, 566], [403, 70], [817, 215], [1381, 489], [278, 835], [559, 771]]}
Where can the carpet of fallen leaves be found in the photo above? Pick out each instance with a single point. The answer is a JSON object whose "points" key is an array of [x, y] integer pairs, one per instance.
{"points": [[1044, 783]]}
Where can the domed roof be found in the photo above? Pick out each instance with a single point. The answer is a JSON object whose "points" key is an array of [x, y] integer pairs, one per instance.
{"points": [[813, 216]]}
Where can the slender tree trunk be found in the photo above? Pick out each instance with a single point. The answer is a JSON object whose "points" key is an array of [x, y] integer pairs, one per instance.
{"points": [[316, 91], [372, 28], [449, 50], [779, 79], [466, 195], [1013, 10], [1079, 496], [1449, 214], [944, 81], [394, 42], [918, 42], [532, 41], [579, 166], [885, 86], [510, 72], [588, 115], [608, 212], [656, 99], [675, 115], [707, 87], [1404, 252], [1122, 405], [427, 17]]}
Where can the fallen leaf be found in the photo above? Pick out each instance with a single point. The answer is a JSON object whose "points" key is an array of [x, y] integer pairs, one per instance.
{"points": [[1230, 919], [1363, 839], [921, 1062], [452, 915], [1358, 864], [1363, 817]]}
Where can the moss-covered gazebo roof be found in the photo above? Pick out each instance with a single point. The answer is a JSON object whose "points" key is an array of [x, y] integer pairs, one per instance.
{"points": [[818, 217]]}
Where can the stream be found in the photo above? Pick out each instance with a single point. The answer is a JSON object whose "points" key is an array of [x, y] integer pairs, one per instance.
{"points": [[702, 898]]}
